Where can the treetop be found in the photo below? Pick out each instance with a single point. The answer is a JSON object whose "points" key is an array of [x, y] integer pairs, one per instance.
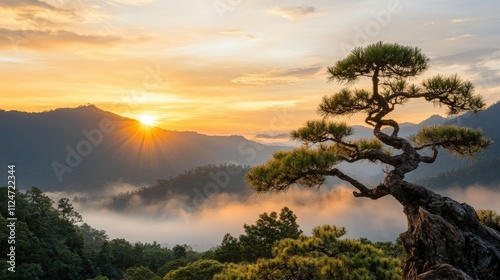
{"points": [[326, 143], [381, 59]]}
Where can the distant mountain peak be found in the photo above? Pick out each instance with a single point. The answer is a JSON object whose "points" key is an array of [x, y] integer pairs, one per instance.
{"points": [[433, 120]]}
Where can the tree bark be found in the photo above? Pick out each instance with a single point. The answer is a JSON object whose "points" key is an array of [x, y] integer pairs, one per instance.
{"points": [[445, 239]]}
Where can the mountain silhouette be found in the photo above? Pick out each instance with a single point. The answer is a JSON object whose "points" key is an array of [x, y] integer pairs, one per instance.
{"points": [[86, 148], [487, 121], [483, 169]]}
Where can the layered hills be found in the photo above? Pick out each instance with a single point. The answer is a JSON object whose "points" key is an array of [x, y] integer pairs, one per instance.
{"points": [[86, 148]]}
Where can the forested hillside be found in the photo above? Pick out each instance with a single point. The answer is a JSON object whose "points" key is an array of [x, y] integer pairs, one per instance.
{"points": [[195, 185]]}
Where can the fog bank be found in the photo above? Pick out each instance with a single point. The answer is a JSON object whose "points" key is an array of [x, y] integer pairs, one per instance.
{"points": [[172, 222]]}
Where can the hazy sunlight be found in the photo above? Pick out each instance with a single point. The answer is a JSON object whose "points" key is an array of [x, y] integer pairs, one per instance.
{"points": [[147, 120]]}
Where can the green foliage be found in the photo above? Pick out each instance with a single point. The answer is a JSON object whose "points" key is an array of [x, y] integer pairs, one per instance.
{"points": [[200, 270], [286, 168], [454, 92], [114, 257], [50, 246], [489, 218], [24, 271], [140, 273], [181, 255], [394, 64], [259, 238], [100, 277], [389, 60], [93, 239], [67, 211], [230, 250], [321, 256], [395, 250], [458, 140], [172, 265], [345, 102], [321, 131], [179, 251], [117, 255], [372, 144], [152, 255], [47, 246]]}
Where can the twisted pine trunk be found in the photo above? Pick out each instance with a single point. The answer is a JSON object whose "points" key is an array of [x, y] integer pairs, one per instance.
{"points": [[445, 239]]}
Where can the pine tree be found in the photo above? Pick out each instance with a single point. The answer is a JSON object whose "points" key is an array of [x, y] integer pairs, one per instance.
{"points": [[390, 69]]}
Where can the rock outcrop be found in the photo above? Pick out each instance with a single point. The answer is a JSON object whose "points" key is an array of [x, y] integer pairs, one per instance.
{"points": [[445, 240]]}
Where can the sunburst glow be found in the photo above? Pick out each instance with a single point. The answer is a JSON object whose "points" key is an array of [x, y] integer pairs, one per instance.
{"points": [[147, 120]]}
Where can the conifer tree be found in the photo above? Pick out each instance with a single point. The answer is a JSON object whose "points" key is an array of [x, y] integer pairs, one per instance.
{"points": [[391, 69]]}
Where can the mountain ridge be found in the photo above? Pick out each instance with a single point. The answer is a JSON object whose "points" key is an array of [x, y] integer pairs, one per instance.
{"points": [[75, 144], [86, 148]]}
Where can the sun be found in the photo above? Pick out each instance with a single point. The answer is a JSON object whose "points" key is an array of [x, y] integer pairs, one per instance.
{"points": [[147, 120]]}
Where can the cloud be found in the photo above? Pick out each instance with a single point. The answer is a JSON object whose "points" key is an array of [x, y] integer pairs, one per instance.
{"points": [[44, 40], [459, 37], [279, 76], [17, 4], [460, 20], [38, 14], [294, 13], [41, 15], [176, 221], [130, 2], [427, 23], [481, 67], [477, 196], [173, 222], [263, 104], [468, 57], [240, 33]]}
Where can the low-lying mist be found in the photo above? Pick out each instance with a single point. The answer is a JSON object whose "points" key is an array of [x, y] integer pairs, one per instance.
{"points": [[174, 222]]}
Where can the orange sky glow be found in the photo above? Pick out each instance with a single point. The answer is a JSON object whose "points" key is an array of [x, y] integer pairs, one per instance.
{"points": [[240, 67]]}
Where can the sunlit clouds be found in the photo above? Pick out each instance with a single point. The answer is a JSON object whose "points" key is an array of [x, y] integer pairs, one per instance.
{"points": [[222, 71], [278, 76], [172, 221], [294, 13], [47, 40]]}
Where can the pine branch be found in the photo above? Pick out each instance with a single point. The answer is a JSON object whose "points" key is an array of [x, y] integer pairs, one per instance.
{"points": [[375, 193], [458, 140]]}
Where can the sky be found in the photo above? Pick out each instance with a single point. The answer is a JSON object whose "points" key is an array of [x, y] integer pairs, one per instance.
{"points": [[226, 66]]}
